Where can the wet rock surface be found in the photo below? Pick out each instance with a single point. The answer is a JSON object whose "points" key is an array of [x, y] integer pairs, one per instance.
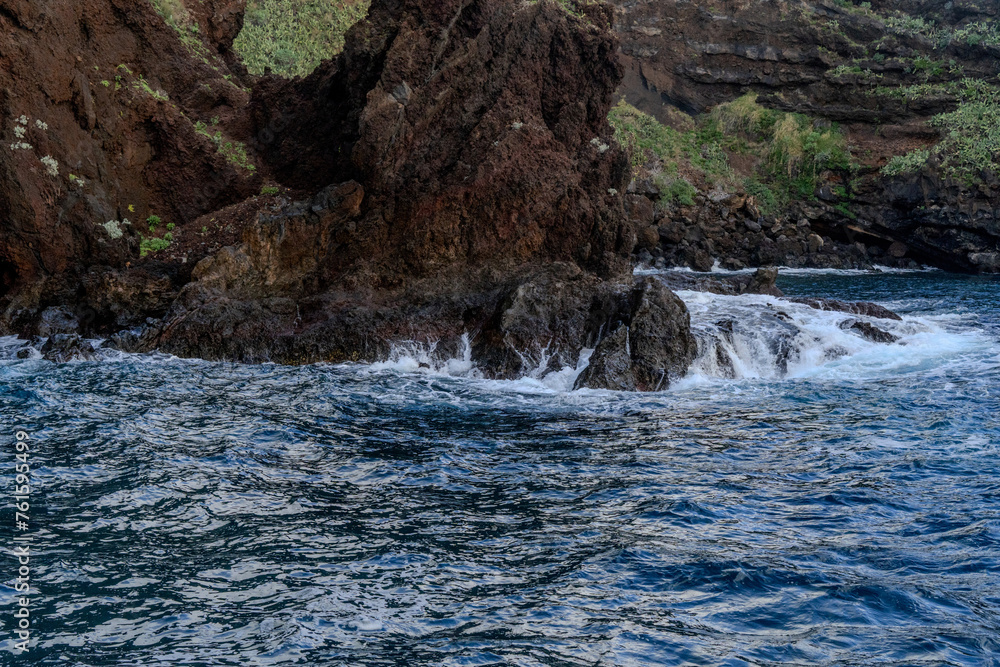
{"points": [[650, 349], [761, 281], [67, 347], [857, 308], [871, 332]]}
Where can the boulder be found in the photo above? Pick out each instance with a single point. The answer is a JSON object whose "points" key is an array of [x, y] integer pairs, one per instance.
{"points": [[870, 332], [57, 320], [865, 308], [67, 347], [649, 238], [648, 351], [815, 242], [763, 282]]}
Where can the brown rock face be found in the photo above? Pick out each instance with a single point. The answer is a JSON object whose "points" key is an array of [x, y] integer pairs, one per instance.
{"points": [[98, 101], [479, 130], [486, 201], [694, 55], [455, 171]]}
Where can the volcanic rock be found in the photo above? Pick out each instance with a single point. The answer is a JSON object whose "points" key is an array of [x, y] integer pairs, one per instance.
{"points": [[650, 349]]}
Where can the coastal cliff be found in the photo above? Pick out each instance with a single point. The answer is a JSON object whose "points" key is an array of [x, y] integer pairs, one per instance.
{"points": [[483, 168]]}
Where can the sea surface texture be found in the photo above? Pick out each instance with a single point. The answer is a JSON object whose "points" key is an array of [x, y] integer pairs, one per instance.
{"points": [[817, 499]]}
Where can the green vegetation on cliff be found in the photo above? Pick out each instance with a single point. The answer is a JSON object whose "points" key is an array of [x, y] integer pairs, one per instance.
{"points": [[176, 15], [782, 157], [970, 141], [291, 37]]}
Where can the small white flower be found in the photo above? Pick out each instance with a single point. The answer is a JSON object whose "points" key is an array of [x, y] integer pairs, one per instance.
{"points": [[51, 165], [41, 125], [612, 192], [517, 125], [20, 145], [126, 221], [599, 145], [23, 120], [114, 231], [19, 131]]}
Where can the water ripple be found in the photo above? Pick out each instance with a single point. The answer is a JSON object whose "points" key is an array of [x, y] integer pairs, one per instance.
{"points": [[215, 514]]}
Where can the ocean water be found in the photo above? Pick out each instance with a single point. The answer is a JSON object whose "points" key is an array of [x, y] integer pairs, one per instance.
{"points": [[817, 500]]}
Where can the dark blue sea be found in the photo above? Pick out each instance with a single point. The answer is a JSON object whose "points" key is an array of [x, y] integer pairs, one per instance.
{"points": [[824, 501]]}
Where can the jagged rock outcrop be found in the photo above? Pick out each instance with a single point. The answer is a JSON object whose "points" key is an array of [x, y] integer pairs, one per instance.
{"points": [[479, 130], [944, 222], [649, 349], [487, 200], [67, 347]]}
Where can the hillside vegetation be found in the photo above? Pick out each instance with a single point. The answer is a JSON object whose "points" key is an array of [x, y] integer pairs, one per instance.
{"points": [[292, 37], [775, 156]]}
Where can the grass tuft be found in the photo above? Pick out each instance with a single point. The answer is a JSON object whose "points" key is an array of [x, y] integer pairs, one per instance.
{"points": [[970, 143], [235, 152]]}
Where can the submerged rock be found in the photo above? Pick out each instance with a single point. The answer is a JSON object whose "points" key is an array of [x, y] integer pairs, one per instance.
{"points": [[865, 308]]}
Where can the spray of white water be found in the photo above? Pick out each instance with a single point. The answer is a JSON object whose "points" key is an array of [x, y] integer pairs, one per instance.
{"points": [[739, 338], [755, 336]]}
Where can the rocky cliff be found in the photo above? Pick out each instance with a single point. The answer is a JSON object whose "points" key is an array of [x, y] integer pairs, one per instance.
{"points": [[913, 78], [103, 107], [452, 174], [455, 155]]}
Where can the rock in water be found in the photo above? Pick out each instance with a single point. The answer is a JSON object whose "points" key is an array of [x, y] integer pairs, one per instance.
{"points": [[67, 347], [865, 308], [871, 332], [763, 282], [57, 320], [648, 352]]}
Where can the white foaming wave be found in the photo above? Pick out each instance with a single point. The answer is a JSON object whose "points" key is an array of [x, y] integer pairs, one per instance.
{"points": [[761, 337], [785, 270], [11, 346], [423, 358], [747, 337], [418, 357]]}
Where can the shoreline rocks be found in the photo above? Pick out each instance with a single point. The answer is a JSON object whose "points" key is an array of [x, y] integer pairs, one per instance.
{"points": [[452, 172]]}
